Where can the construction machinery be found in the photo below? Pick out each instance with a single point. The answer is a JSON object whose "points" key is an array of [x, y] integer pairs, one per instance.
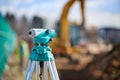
{"points": [[62, 43]]}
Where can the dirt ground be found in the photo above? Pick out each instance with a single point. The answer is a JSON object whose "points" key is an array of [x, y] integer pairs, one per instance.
{"points": [[75, 67], [12, 70]]}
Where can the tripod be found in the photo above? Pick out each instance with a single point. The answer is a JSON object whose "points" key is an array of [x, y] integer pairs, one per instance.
{"points": [[41, 57], [39, 70]]}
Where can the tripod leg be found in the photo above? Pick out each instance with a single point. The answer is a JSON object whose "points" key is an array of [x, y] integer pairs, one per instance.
{"points": [[37, 70], [41, 70], [54, 70], [27, 71], [45, 71], [51, 70], [31, 70]]}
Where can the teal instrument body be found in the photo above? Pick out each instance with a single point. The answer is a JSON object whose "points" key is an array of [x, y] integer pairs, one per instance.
{"points": [[41, 50]]}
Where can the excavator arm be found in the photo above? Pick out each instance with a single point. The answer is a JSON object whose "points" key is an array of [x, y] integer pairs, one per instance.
{"points": [[65, 34], [65, 29], [62, 44]]}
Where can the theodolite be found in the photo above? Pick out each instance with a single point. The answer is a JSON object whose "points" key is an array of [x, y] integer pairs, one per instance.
{"points": [[41, 55]]}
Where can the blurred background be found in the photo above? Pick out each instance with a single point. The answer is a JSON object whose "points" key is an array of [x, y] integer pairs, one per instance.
{"points": [[87, 42]]}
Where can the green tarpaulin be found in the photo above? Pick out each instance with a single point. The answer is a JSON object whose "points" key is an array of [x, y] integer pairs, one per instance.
{"points": [[8, 40]]}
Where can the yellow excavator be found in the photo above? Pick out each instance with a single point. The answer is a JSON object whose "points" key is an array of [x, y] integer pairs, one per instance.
{"points": [[62, 44]]}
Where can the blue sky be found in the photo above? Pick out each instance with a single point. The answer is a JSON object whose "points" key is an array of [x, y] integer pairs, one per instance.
{"points": [[98, 12], [112, 6]]}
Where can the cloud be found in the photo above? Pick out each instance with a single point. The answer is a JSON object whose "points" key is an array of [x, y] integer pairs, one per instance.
{"points": [[94, 15], [52, 10], [102, 12], [98, 3], [75, 12], [103, 19], [29, 1], [14, 3], [31, 7]]}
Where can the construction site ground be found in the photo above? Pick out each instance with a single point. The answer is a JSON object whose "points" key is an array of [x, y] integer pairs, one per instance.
{"points": [[75, 67]]}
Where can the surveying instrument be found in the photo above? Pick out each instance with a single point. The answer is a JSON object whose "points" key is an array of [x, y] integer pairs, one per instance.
{"points": [[41, 56]]}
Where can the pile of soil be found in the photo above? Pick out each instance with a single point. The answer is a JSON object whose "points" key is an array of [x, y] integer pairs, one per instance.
{"points": [[100, 67]]}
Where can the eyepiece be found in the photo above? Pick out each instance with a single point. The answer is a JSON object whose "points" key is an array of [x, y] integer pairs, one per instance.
{"points": [[29, 32]]}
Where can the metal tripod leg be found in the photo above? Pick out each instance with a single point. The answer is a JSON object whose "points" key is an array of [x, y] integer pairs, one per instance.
{"points": [[45, 71], [27, 71], [31, 70], [54, 70], [51, 70], [37, 70]]}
